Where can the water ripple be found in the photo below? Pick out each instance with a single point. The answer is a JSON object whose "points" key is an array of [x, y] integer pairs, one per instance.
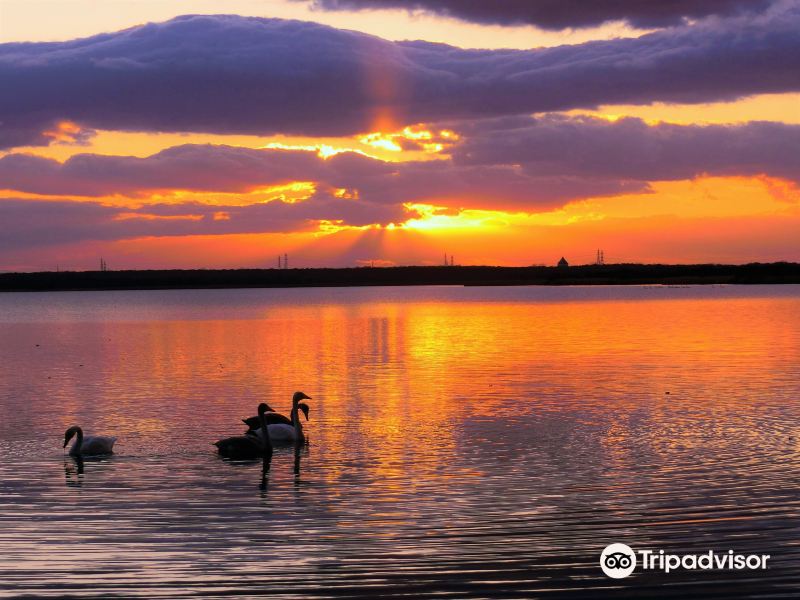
{"points": [[463, 443]]}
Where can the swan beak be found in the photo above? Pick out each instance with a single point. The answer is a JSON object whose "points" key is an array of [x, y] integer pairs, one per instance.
{"points": [[302, 396], [304, 408]]}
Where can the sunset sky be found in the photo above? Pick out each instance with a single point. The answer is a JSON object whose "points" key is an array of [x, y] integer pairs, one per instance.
{"points": [[183, 133]]}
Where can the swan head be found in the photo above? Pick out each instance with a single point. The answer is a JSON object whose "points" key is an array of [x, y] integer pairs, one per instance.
{"points": [[304, 407], [299, 396], [264, 408], [69, 433]]}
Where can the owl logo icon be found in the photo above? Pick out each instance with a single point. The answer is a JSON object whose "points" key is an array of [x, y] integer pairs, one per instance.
{"points": [[618, 561]]}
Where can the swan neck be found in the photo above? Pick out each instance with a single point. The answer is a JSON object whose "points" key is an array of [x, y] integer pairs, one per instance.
{"points": [[78, 441], [298, 425], [262, 417]]}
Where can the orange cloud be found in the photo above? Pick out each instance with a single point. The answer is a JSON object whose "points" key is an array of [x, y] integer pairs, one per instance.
{"points": [[68, 132]]}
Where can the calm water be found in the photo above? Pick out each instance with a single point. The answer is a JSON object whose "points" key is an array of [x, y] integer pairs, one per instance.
{"points": [[464, 442]]}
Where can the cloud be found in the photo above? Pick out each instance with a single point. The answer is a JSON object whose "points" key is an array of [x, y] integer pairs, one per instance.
{"points": [[560, 14], [25, 130], [35, 223], [228, 169], [190, 167], [236, 75], [488, 187], [630, 149], [512, 163]]}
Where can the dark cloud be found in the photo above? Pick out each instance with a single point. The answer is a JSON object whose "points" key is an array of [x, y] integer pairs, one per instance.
{"points": [[561, 14], [630, 149], [487, 187], [189, 167], [235, 75], [35, 223], [25, 130]]}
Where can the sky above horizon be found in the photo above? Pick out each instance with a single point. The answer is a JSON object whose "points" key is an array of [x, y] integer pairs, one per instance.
{"points": [[199, 133]]}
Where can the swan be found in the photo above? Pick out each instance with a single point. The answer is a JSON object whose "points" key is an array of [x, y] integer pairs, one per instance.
{"points": [[279, 432], [90, 445], [253, 423], [282, 432], [248, 445], [273, 418]]}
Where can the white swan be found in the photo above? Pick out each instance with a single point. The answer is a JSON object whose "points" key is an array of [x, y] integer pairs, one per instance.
{"points": [[281, 432], [90, 445]]}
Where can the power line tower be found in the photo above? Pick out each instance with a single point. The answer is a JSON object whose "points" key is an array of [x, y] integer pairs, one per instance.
{"points": [[600, 258], [103, 265], [285, 261]]}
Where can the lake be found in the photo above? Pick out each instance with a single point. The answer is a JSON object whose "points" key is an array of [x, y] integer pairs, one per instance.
{"points": [[463, 442]]}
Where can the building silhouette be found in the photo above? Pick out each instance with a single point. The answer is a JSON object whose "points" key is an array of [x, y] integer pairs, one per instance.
{"points": [[563, 263]]}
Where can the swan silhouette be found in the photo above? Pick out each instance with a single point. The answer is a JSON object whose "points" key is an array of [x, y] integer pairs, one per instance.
{"points": [[273, 418], [249, 445], [90, 445], [286, 432]]}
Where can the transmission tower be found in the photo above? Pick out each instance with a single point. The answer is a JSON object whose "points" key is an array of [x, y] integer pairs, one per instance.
{"points": [[600, 259]]}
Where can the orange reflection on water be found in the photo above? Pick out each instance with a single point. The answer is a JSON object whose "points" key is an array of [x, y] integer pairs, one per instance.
{"points": [[406, 380], [449, 426], [426, 367]]}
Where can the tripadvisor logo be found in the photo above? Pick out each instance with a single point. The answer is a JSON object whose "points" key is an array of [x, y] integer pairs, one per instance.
{"points": [[619, 560]]}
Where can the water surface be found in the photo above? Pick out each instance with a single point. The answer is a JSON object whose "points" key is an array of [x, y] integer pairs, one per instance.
{"points": [[463, 442]]}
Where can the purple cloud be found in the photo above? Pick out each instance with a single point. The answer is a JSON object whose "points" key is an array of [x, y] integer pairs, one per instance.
{"points": [[24, 131], [560, 14], [206, 168], [235, 75], [519, 163], [488, 187], [629, 149], [35, 223], [189, 167]]}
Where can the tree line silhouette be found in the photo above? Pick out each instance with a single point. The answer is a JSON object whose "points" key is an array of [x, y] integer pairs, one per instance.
{"points": [[615, 274]]}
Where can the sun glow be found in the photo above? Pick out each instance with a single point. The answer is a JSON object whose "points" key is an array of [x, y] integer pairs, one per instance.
{"points": [[324, 151], [327, 227], [436, 218], [410, 134], [759, 107], [411, 139], [380, 140], [346, 193], [151, 217], [290, 193], [68, 132]]}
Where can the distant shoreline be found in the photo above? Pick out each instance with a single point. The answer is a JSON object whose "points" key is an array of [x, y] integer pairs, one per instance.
{"points": [[617, 274]]}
